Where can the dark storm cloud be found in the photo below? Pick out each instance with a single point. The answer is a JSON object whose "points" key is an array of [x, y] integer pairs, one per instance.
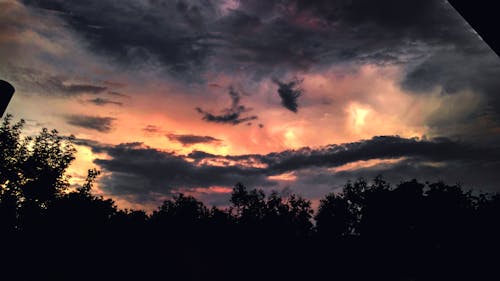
{"points": [[169, 32], [302, 34], [383, 147], [183, 36], [231, 115], [289, 92], [457, 70], [100, 124], [138, 169], [189, 139], [430, 19], [160, 172], [103, 101]]}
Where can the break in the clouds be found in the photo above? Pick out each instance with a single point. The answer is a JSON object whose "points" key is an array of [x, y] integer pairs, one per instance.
{"points": [[189, 139], [289, 93], [232, 115], [100, 124]]}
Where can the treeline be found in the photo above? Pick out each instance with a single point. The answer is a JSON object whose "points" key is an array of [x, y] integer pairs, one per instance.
{"points": [[368, 231]]}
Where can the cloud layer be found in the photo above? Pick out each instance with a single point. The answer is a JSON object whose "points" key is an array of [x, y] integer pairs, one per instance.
{"points": [[189, 139], [100, 124], [142, 171]]}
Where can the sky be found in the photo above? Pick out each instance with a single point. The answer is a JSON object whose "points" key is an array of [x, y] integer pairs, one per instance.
{"points": [[193, 96]]}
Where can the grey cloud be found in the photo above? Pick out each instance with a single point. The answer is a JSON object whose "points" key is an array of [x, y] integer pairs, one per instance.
{"points": [[231, 115], [117, 94], [476, 175], [189, 139], [161, 172], [383, 147], [97, 147], [169, 32], [78, 88], [289, 92], [305, 34], [100, 124], [30, 80], [103, 101], [187, 36], [152, 129], [455, 70]]}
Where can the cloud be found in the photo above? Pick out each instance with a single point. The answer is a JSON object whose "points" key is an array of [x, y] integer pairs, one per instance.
{"points": [[33, 80], [308, 35], [187, 140], [100, 124], [381, 147], [171, 33], [103, 101], [289, 93], [152, 129], [188, 37], [96, 146], [475, 174], [140, 170], [230, 115], [79, 88], [117, 94], [456, 71]]}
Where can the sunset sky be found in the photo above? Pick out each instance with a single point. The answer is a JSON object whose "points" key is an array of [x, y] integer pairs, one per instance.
{"points": [[169, 96]]}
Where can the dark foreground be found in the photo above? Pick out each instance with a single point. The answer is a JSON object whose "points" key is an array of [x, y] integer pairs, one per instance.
{"points": [[411, 232]]}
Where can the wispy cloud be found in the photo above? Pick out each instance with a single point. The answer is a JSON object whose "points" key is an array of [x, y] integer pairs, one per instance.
{"points": [[100, 124], [189, 139], [103, 101], [47, 83], [231, 115]]}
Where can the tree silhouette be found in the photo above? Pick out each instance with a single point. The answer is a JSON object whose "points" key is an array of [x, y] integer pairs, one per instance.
{"points": [[333, 218]]}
